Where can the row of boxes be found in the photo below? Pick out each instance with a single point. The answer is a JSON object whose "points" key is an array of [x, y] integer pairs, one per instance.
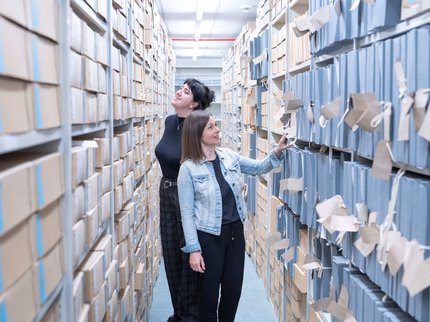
{"points": [[87, 74], [28, 56], [356, 22], [87, 42], [99, 6], [33, 287], [263, 14], [278, 6], [37, 179], [40, 17], [326, 188], [374, 74], [34, 106], [32, 61], [120, 24], [279, 51]]}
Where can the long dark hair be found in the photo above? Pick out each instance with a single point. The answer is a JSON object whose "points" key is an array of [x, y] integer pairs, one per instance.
{"points": [[192, 132], [203, 96]]}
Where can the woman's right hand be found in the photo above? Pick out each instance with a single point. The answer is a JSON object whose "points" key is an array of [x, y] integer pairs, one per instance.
{"points": [[282, 145], [197, 262]]}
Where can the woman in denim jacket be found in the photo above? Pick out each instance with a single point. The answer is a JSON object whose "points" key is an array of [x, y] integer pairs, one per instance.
{"points": [[213, 211]]}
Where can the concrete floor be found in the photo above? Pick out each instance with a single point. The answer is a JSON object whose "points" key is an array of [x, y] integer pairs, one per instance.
{"points": [[254, 305]]}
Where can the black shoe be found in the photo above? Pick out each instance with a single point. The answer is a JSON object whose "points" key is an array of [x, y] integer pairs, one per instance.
{"points": [[173, 318]]}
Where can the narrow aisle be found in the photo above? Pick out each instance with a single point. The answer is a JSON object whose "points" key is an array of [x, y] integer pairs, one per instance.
{"points": [[254, 305]]}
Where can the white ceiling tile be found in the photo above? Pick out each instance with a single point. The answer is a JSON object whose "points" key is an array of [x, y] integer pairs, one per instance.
{"points": [[221, 19]]}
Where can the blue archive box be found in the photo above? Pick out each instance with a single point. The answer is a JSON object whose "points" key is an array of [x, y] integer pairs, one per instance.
{"points": [[417, 195], [367, 77], [378, 195], [322, 176], [332, 28], [316, 98], [321, 88], [364, 18], [276, 177], [328, 97], [341, 131], [400, 148], [370, 88], [384, 14], [312, 98], [345, 20], [403, 216], [257, 52], [295, 198], [288, 196], [259, 92], [335, 92], [356, 296], [353, 87], [421, 305], [303, 124], [280, 227], [325, 98], [348, 185], [308, 210], [252, 54], [338, 264], [422, 151], [378, 134], [396, 55], [411, 79], [264, 46], [251, 196], [356, 20], [362, 63], [388, 80], [253, 145], [321, 286]]}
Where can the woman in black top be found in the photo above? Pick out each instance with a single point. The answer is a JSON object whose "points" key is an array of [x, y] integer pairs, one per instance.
{"points": [[183, 282]]}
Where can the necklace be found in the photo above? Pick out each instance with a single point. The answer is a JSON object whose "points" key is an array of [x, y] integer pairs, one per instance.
{"points": [[178, 125]]}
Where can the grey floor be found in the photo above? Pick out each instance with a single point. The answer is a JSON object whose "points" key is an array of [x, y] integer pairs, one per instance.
{"points": [[253, 306]]}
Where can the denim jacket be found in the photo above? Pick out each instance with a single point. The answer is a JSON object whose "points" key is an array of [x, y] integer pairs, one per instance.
{"points": [[200, 195]]}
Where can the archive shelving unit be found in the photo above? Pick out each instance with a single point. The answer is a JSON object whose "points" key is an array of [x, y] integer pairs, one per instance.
{"points": [[84, 88], [312, 68]]}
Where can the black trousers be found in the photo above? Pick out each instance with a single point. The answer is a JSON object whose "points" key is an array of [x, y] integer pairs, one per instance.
{"points": [[224, 258], [182, 280]]}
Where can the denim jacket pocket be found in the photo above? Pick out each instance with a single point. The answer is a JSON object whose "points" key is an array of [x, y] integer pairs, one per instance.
{"points": [[201, 188], [201, 180]]}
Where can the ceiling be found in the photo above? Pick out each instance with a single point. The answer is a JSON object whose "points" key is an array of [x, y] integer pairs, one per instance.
{"points": [[221, 23]]}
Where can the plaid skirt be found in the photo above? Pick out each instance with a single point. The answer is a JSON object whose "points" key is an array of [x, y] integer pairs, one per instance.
{"points": [[182, 280]]}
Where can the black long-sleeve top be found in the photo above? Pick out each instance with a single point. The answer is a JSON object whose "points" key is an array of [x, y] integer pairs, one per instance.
{"points": [[168, 150], [229, 210]]}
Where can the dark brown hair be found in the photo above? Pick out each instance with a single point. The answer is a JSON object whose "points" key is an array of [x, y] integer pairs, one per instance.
{"points": [[203, 96], [192, 131]]}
